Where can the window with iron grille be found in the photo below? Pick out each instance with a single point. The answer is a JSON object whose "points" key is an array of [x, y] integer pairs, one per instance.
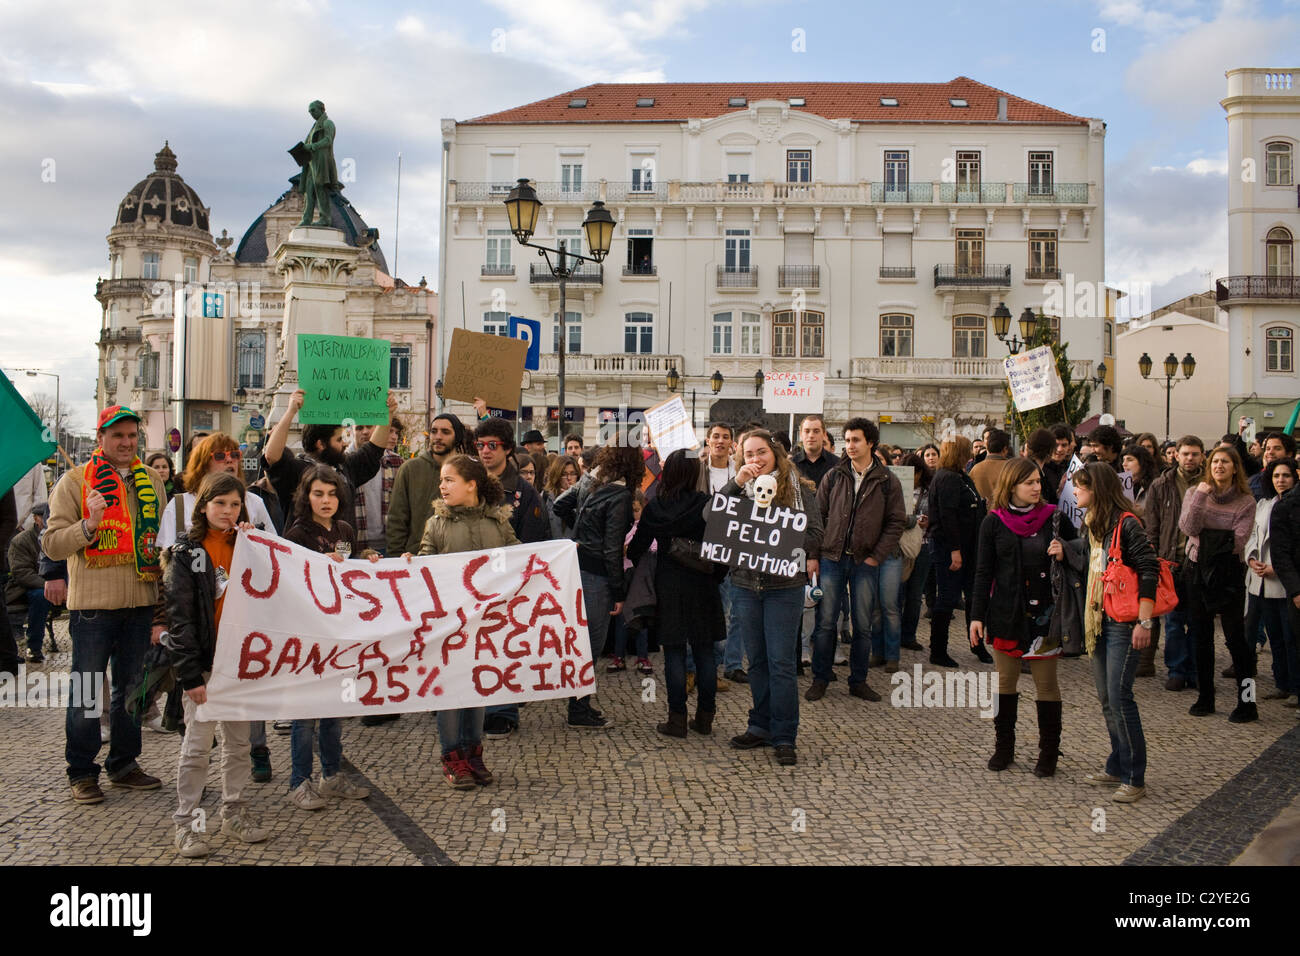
{"points": [[798, 165], [1279, 350], [399, 366], [896, 336], [638, 333], [251, 359], [969, 336], [149, 362]]}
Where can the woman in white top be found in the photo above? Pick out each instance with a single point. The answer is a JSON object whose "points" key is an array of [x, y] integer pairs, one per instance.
{"points": [[1266, 597], [216, 453]]}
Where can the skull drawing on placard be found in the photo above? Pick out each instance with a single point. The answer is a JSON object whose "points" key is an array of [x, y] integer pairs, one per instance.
{"points": [[764, 490]]}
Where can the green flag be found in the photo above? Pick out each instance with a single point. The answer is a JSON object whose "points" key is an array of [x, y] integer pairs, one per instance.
{"points": [[27, 439]]}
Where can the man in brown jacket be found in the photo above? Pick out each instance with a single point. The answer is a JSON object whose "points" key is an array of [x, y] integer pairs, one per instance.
{"points": [[105, 528], [985, 475], [863, 505]]}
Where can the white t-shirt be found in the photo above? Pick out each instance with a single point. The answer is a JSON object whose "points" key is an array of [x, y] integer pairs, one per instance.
{"points": [[720, 476], [167, 533]]}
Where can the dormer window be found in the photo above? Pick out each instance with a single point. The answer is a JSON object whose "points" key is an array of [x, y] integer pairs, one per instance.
{"points": [[645, 101], [577, 103], [738, 101], [797, 101], [959, 103], [889, 101]]}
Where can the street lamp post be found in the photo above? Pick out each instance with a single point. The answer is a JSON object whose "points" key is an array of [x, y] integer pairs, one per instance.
{"points": [[522, 209], [673, 380], [1171, 370], [1002, 323]]}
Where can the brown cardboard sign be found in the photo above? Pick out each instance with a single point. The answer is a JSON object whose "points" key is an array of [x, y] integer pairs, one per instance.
{"points": [[484, 366]]}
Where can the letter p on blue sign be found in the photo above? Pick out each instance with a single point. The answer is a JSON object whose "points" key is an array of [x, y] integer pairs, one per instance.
{"points": [[530, 331]]}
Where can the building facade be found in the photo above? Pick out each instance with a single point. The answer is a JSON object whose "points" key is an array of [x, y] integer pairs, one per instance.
{"points": [[864, 231], [1262, 293], [192, 332]]}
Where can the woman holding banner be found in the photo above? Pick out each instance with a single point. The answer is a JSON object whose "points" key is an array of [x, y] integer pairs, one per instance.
{"points": [[688, 607], [198, 569], [767, 607]]}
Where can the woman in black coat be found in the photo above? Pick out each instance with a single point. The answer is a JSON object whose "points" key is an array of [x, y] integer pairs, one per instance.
{"points": [[1011, 607], [688, 605], [956, 510]]}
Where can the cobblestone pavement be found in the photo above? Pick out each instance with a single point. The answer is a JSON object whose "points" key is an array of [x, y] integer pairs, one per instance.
{"points": [[874, 784]]}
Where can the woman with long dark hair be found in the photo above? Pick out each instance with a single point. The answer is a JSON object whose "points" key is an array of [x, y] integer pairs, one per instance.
{"points": [[562, 474], [956, 510], [1266, 595], [1141, 465], [161, 462], [1011, 607], [688, 606], [1217, 518], [1116, 646], [601, 513]]}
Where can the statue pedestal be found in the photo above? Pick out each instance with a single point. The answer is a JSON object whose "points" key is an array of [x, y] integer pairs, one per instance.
{"points": [[316, 263]]}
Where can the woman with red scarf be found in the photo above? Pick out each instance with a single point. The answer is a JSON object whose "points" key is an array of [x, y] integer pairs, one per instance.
{"points": [[1012, 607]]}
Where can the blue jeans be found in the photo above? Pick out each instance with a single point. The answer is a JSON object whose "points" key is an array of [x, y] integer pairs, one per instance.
{"points": [[1114, 665], [37, 609], [639, 637], [1180, 642], [300, 746], [460, 729], [768, 619], [675, 676], [733, 654], [913, 593], [1271, 617], [869, 588], [119, 637]]}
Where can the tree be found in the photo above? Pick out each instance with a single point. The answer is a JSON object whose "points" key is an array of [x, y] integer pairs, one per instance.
{"points": [[43, 405], [1078, 395], [933, 408]]}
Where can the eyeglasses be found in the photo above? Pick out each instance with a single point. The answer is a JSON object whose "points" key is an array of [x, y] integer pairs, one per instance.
{"points": [[223, 455], [488, 445]]}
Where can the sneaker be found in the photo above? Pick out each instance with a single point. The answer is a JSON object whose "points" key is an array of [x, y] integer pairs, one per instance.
{"points": [[817, 691], [282, 727], [305, 797], [1102, 779], [644, 666], [243, 827], [1127, 793], [497, 727], [261, 764], [864, 692], [156, 725], [87, 791], [738, 676], [589, 718], [190, 844], [137, 779], [723, 685], [785, 755], [456, 771], [748, 741], [615, 665], [477, 768], [341, 786]]}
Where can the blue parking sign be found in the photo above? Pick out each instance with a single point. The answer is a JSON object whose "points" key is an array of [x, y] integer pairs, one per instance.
{"points": [[530, 330]]}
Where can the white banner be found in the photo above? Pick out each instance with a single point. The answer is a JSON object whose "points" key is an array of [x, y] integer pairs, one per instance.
{"points": [[305, 636], [1033, 378], [670, 427], [794, 392]]}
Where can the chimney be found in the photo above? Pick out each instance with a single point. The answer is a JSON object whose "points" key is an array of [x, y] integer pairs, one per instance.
{"points": [[1002, 109]]}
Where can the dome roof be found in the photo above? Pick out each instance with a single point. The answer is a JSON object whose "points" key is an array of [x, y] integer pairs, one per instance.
{"points": [[164, 195], [252, 248]]}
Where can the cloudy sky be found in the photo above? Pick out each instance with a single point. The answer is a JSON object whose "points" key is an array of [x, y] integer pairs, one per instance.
{"points": [[97, 88]]}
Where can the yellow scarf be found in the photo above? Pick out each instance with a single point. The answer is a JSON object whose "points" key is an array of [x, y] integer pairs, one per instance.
{"points": [[1092, 610]]}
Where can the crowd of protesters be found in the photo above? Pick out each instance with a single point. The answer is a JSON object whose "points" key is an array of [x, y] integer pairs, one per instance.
{"points": [[1024, 544]]}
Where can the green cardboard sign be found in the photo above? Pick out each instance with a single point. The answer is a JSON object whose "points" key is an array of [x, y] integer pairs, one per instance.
{"points": [[344, 378]]}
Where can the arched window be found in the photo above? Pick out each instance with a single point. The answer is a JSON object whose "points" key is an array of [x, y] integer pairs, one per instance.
{"points": [[1279, 350], [895, 336], [1277, 165], [1278, 249]]}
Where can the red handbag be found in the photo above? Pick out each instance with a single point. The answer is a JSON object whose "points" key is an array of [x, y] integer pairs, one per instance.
{"points": [[1119, 584]]}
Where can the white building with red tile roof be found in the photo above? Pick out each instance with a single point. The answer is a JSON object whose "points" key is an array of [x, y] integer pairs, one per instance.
{"points": [[866, 231]]}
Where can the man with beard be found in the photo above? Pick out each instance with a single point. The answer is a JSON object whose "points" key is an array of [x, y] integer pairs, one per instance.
{"points": [[322, 445]]}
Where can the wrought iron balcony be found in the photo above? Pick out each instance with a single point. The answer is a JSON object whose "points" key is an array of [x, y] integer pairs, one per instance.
{"points": [[898, 272], [497, 271], [1049, 192], [140, 287], [121, 335], [732, 278], [907, 192], [798, 277], [628, 192], [1258, 288], [981, 193], [644, 269], [567, 192], [584, 273], [1042, 273], [948, 276]]}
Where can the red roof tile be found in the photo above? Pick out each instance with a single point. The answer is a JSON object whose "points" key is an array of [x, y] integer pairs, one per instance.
{"points": [[860, 102]]}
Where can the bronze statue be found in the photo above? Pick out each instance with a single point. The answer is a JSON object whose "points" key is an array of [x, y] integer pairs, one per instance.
{"points": [[320, 176]]}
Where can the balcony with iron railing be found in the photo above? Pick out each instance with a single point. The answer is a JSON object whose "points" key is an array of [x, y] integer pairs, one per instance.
{"points": [[644, 269], [1234, 289], [136, 287], [1049, 192], [585, 273], [731, 277], [1042, 274], [980, 193], [798, 277], [898, 272], [497, 270], [902, 192], [972, 276], [568, 192], [120, 335]]}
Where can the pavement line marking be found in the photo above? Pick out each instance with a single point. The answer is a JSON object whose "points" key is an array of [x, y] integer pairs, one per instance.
{"points": [[407, 831], [1218, 829]]}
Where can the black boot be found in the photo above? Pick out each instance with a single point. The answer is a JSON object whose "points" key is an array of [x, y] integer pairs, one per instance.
{"points": [[1004, 727], [1049, 737], [1246, 711], [980, 651], [702, 722], [675, 726], [939, 621]]}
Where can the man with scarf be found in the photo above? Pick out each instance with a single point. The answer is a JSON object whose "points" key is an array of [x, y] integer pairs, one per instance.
{"points": [[104, 523]]}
